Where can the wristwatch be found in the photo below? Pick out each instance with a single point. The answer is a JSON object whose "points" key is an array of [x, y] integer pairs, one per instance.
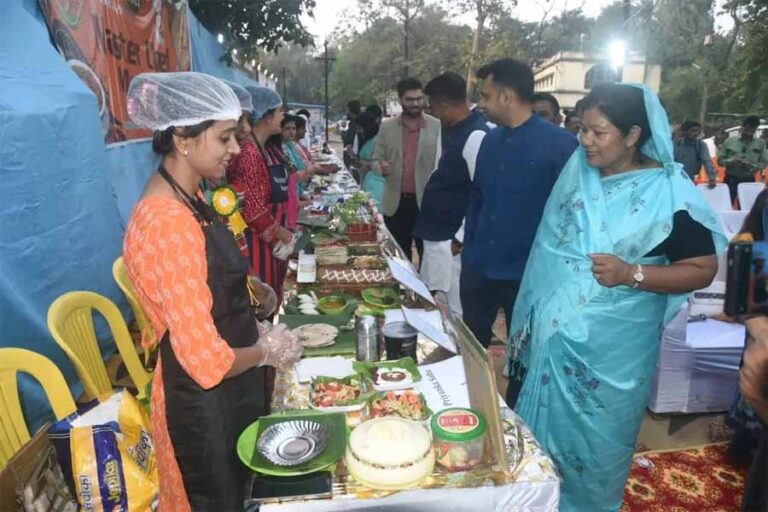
{"points": [[638, 276]]}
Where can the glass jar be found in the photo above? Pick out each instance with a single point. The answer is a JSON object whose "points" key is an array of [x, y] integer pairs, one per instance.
{"points": [[458, 435]]}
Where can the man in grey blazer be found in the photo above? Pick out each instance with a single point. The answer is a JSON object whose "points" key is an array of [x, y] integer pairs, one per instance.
{"points": [[406, 150]]}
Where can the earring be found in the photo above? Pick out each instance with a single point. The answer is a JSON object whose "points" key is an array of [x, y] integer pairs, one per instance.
{"points": [[185, 152]]}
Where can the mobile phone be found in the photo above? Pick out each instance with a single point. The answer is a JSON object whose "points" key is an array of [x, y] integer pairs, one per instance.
{"points": [[746, 288], [285, 488]]}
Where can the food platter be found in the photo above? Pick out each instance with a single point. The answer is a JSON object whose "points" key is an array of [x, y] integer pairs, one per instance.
{"points": [[390, 375], [332, 394], [316, 335], [406, 404]]}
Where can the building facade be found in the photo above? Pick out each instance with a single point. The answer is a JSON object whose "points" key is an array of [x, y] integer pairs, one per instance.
{"points": [[570, 75]]}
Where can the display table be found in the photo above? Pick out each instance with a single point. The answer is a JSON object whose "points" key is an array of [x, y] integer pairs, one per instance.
{"points": [[531, 484], [536, 486]]}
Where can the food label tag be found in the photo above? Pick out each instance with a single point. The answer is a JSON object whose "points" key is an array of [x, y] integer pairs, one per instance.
{"points": [[458, 421]]}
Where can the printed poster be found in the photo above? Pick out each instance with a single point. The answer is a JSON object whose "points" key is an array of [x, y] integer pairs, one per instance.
{"points": [[108, 42]]}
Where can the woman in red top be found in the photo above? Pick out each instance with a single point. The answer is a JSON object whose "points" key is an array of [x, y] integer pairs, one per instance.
{"points": [[192, 281], [262, 176]]}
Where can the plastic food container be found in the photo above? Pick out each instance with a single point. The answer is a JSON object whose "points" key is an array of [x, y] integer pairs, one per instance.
{"points": [[458, 438]]}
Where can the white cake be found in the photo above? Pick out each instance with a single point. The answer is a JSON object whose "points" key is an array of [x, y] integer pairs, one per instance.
{"points": [[390, 453]]}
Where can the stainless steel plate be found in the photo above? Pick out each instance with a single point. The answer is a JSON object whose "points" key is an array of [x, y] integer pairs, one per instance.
{"points": [[293, 442]]}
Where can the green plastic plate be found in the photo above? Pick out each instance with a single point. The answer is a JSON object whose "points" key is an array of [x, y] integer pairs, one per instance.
{"points": [[373, 298], [337, 443]]}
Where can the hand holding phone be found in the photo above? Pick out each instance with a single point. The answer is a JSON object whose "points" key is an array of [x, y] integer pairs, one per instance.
{"points": [[746, 289]]}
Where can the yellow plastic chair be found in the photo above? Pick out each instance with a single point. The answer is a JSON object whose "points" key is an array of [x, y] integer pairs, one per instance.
{"points": [[70, 320], [125, 284], [13, 429]]}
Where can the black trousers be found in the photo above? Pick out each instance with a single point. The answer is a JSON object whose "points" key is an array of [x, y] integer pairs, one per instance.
{"points": [[481, 299], [733, 184], [402, 224]]}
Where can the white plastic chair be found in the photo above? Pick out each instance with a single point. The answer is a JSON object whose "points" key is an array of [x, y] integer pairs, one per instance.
{"points": [[747, 193], [718, 197], [732, 221]]}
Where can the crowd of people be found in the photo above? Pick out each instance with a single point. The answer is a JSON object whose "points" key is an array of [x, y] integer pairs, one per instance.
{"points": [[579, 240], [589, 244]]}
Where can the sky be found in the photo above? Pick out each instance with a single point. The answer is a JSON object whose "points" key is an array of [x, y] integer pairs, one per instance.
{"points": [[328, 11]]}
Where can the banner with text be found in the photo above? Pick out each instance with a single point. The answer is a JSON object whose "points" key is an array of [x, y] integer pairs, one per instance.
{"points": [[108, 42]]}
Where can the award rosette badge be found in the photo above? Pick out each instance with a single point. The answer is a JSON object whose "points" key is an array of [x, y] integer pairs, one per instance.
{"points": [[224, 201]]}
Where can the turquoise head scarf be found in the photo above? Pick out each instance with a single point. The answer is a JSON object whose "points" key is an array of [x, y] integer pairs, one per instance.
{"points": [[627, 215]]}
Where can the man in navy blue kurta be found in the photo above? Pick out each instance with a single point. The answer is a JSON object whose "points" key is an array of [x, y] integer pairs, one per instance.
{"points": [[441, 219], [516, 168]]}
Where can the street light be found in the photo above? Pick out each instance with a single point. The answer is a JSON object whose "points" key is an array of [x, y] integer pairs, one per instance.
{"points": [[617, 51]]}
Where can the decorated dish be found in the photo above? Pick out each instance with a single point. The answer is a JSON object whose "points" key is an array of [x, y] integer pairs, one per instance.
{"points": [[371, 262], [406, 404], [355, 276], [384, 298], [390, 453], [390, 375], [333, 394]]}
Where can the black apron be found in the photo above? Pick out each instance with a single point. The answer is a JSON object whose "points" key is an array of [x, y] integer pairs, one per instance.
{"points": [[204, 424], [278, 175]]}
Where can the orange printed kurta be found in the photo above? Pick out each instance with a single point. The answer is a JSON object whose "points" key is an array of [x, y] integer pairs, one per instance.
{"points": [[164, 254]]}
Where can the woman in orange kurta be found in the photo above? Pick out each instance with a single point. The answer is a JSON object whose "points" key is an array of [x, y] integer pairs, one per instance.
{"points": [[191, 279]]}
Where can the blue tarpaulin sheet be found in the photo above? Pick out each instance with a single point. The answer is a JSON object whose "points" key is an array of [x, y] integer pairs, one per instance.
{"points": [[59, 227], [66, 196]]}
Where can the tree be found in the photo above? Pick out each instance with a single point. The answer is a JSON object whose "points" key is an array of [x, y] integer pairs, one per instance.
{"points": [[484, 10], [367, 61], [365, 64], [747, 89], [301, 77], [251, 25], [509, 37], [681, 92], [405, 11], [438, 44]]}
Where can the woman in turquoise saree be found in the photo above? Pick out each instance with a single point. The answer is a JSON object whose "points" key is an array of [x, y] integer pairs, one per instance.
{"points": [[624, 237], [370, 180]]}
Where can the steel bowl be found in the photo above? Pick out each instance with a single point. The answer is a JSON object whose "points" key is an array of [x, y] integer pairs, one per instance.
{"points": [[291, 443]]}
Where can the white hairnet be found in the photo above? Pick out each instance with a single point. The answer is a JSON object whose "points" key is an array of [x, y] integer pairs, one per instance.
{"points": [[264, 100], [160, 100], [246, 103]]}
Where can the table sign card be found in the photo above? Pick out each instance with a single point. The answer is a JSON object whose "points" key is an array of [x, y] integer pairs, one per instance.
{"points": [[403, 272]]}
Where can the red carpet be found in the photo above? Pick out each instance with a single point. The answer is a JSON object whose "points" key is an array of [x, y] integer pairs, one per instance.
{"points": [[697, 479]]}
